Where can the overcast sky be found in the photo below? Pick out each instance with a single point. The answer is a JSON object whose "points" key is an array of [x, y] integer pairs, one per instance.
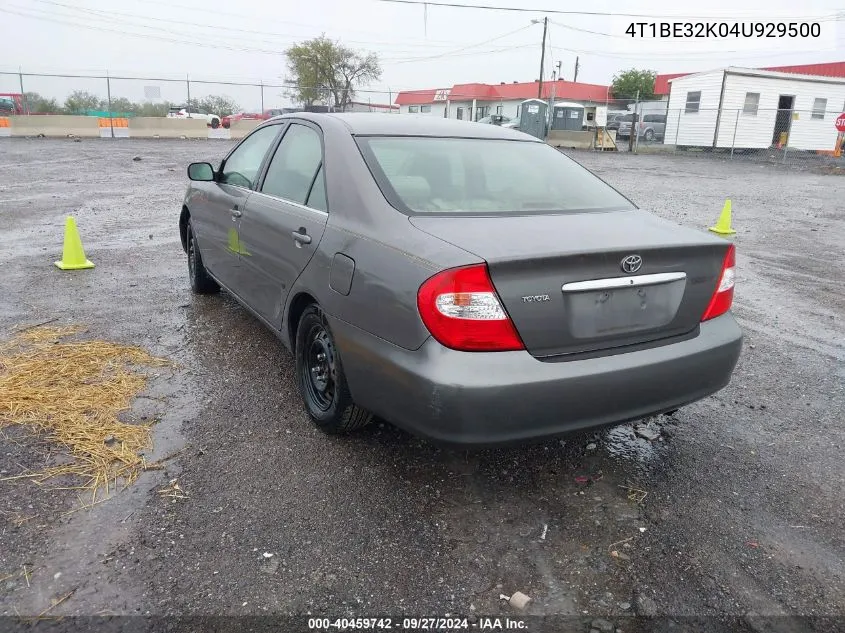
{"points": [[419, 47]]}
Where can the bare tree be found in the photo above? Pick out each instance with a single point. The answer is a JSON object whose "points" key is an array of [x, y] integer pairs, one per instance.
{"points": [[328, 72]]}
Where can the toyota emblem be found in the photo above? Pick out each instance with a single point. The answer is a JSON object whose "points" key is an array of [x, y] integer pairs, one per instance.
{"points": [[632, 263]]}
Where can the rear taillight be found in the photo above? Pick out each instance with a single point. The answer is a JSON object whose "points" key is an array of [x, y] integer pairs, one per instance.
{"points": [[462, 311], [724, 295]]}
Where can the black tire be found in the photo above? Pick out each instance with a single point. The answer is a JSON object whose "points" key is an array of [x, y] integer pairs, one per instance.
{"points": [[215, 123], [201, 281], [649, 135], [322, 382]]}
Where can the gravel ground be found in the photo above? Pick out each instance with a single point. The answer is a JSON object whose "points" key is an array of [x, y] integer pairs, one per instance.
{"points": [[744, 508]]}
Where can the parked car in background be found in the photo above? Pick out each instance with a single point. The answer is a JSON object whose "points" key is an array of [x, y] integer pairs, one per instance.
{"points": [[500, 120], [650, 126], [468, 283], [614, 120], [228, 120], [184, 112]]}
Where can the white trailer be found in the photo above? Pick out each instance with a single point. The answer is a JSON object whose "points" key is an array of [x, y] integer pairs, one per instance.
{"points": [[754, 109]]}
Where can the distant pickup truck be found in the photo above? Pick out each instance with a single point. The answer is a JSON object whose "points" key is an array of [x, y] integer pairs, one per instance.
{"points": [[255, 116], [11, 103]]}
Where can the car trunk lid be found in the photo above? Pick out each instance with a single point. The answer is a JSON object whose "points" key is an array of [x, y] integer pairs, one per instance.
{"points": [[562, 279]]}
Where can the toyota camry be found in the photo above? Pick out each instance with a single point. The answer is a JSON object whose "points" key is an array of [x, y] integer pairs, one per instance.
{"points": [[468, 283]]}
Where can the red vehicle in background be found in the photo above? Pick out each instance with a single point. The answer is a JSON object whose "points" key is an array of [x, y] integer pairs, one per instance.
{"points": [[12, 103], [227, 121]]}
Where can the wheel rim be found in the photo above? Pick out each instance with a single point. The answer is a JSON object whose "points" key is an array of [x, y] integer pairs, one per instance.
{"points": [[319, 368]]}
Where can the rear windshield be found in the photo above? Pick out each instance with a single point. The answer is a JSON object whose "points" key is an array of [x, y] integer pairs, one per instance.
{"points": [[483, 176]]}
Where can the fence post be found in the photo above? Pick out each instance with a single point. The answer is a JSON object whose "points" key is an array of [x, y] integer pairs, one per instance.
{"points": [[108, 95], [677, 129], [262, 97], [188, 81], [635, 125], [733, 141], [23, 94]]}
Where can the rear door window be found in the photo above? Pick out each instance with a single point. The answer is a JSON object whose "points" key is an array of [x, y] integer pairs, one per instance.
{"points": [[293, 171]]}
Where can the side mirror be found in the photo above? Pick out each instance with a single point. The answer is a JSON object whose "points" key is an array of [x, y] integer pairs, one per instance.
{"points": [[203, 172]]}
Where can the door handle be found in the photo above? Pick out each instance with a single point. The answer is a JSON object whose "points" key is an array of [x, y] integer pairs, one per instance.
{"points": [[236, 212], [301, 237]]}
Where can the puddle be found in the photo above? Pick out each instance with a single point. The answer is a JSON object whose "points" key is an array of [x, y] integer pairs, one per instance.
{"points": [[622, 443]]}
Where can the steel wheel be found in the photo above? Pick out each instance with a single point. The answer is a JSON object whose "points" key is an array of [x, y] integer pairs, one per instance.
{"points": [[320, 368], [322, 382]]}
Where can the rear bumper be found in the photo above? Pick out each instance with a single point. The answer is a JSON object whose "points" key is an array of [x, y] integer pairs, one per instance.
{"points": [[494, 398]]}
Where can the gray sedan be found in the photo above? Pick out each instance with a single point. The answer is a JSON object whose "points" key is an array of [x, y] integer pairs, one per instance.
{"points": [[468, 283]]}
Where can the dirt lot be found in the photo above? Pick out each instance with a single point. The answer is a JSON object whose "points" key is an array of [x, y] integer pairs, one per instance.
{"points": [[744, 508]]}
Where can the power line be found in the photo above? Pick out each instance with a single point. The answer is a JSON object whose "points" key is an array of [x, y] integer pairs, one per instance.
{"points": [[229, 45], [504, 49], [110, 16], [580, 30], [703, 56], [458, 5], [241, 15], [142, 35], [458, 50]]}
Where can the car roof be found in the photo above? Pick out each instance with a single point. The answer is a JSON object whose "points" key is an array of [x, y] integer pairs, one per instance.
{"points": [[381, 124]]}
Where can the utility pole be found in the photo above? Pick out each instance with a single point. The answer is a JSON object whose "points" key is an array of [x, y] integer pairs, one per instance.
{"points": [[577, 65], [108, 94], [24, 104], [542, 58], [559, 74]]}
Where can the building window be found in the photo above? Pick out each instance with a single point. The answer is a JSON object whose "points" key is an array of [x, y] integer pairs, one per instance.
{"points": [[413, 109], [425, 108], [591, 116], [460, 114], [752, 102], [693, 101], [498, 109], [819, 107]]}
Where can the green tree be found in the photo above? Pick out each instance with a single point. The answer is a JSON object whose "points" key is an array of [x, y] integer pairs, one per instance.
{"points": [[220, 105], [153, 109], [37, 104], [626, 84], [122, 104], [80, 101], [326, 71]]}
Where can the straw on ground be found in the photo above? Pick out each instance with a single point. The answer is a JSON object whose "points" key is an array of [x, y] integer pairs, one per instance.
{"points": [[72, 391]]}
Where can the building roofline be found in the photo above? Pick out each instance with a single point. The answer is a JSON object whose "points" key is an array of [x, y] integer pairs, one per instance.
{"points": [[772, 74], [768, 74]]}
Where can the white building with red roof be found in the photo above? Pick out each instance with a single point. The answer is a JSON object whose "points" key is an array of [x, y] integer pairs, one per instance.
{"points": [[474, 101]]}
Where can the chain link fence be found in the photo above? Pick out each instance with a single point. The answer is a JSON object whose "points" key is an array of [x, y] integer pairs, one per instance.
{"points": [[796, 137], [45, 93]]}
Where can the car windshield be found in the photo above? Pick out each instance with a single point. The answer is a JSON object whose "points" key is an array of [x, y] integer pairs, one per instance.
{"points": [[627, 117], [483, 176]]}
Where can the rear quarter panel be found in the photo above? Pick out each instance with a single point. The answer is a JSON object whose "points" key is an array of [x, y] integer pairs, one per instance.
{"points": [[392, 258]]}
